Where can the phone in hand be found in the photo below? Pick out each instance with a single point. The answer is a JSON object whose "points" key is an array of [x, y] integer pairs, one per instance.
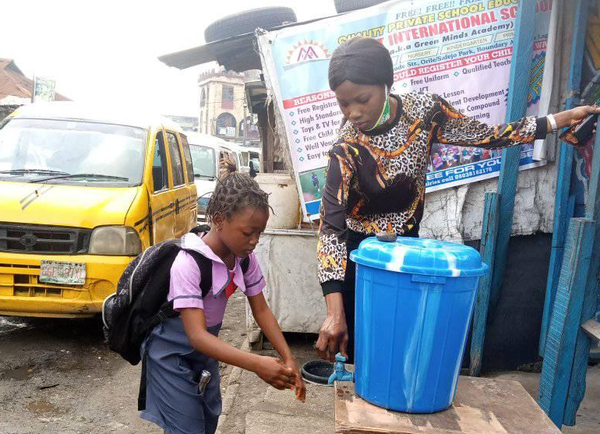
{"points": [[581, 132]]}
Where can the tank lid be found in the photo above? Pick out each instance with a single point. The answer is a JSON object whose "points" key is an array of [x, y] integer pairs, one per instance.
{"points": [[420, 256]]}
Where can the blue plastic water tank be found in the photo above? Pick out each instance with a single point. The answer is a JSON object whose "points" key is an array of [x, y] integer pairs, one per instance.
{"points": [[414, 302]]}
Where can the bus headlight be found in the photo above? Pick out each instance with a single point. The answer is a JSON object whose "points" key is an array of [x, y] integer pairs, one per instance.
{"points": [[115, 241]]}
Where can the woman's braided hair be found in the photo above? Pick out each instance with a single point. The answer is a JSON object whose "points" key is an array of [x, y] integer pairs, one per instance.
{"points": [[234, 192]]}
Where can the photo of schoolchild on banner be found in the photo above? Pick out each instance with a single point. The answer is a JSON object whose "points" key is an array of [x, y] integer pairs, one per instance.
{"points": [[459, 49]]}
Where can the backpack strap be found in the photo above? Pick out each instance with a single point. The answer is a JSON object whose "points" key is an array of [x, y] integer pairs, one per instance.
{"points": [[245, 264], [142, 390], [200, 229], [205, 267]]}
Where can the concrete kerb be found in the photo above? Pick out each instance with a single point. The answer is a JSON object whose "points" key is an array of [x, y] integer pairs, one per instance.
{"points": [[231, 391]]}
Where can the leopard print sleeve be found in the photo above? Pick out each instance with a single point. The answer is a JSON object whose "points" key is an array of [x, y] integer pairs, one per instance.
{"points": [[454, 128], [333, 233]]}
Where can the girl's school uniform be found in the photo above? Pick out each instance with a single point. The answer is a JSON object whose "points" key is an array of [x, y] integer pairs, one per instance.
{"points": [[173, 367]]}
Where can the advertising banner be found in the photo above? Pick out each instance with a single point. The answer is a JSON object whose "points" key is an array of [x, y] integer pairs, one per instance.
{"points": [[44, 89], [459, 49]]}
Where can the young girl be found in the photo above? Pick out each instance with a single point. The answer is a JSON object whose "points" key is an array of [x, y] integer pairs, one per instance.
{"points": [[180, 349]]}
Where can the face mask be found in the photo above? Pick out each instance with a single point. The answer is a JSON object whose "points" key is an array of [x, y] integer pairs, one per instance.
{"points": [[385, 113]]}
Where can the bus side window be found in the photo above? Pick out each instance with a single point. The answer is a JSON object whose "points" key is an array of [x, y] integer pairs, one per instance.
{"points": [[176, 163], [189, 166], [159, 164]]}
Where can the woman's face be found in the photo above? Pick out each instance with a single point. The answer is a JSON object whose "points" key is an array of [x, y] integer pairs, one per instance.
{"points": [[361, 104]]}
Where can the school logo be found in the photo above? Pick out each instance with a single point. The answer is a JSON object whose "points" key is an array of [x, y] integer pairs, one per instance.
{"points": [[305, 52]]}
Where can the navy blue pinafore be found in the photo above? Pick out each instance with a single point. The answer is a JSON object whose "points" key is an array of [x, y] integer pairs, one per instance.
{"points": [[173, 369]]}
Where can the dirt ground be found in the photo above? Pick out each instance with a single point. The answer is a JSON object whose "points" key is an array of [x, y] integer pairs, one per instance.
{"points": [[58, 376]]}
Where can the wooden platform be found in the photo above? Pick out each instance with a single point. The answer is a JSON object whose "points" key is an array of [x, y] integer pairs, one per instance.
{"points": [[482, 406]]}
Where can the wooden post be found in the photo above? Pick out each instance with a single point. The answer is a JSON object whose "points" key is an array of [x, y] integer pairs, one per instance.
{"points": [[567, 348], [517, 105], [592, 207], [565, 322], [592, 290], [267, 140], [564, 202], [487, 249]]}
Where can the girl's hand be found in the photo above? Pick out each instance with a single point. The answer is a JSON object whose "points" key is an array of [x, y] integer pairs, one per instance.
{"points": [[299, 386], [275, 373]]}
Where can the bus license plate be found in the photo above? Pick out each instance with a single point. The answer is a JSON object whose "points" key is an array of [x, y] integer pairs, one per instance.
{"points": [[65, 273]]}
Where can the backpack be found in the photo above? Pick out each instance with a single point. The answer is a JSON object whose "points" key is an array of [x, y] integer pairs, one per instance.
{"points": [[140, 302]]}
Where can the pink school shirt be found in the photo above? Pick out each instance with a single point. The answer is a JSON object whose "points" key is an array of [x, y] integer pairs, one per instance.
{"points": [[185, 289]]}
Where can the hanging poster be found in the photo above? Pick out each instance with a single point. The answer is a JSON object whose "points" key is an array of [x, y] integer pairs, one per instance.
{"points": [[459, 49]]}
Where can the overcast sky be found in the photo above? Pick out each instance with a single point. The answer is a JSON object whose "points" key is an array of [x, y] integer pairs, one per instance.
{"points": [[107, 50]]}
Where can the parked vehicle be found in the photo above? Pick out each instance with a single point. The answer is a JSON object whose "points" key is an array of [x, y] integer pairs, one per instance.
{"points": [[247, 155], [207, 151], [82, 192]]}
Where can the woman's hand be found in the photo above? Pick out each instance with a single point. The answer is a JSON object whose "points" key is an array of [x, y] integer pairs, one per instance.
{"points": [[333, 337], [571, 117], [274, 372], [299, 386]]}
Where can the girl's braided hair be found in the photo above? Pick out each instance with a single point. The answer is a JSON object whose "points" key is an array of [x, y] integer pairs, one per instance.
{"points": [[234, 192]]}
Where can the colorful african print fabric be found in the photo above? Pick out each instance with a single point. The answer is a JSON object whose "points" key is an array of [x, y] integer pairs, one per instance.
{"points": [[376, 180]]}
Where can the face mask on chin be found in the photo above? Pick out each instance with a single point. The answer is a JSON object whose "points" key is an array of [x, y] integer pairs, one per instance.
{"points": [[385, 113]]}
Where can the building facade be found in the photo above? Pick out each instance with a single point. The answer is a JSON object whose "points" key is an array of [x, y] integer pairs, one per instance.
{"points": [[223, 109]]}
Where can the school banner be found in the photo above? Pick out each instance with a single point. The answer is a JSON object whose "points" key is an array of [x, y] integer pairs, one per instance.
{"points": [[459, 49]]}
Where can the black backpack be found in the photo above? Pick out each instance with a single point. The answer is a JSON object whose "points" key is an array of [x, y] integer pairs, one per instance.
{"points": [[140, 302]]}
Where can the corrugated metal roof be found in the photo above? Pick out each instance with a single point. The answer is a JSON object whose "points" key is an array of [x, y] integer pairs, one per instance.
{"points": [[237, 53]]}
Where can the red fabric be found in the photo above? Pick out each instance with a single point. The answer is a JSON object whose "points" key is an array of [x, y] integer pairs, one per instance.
{"points": [[231, 287]]}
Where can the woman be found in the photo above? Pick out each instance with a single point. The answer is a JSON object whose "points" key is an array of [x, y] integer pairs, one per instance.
{"points": [[376, 175], [253, 171]]}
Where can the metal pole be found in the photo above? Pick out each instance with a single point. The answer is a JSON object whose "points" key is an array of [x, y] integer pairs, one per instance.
{"points": [[33, 90], [245, 123]]}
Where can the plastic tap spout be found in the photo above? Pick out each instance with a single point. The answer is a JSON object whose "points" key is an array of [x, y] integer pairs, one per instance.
{"points": [[339, 370]]}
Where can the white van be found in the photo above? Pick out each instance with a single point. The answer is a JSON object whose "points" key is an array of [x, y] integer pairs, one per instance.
{"points": [[249, 154], [207, 151]]}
